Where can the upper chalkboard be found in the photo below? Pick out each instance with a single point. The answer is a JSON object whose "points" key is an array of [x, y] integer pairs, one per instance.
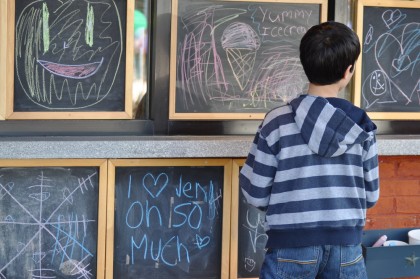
{"points": [[49, 219], [70, 59], [169, 221], [237, 59], [389, 77]]}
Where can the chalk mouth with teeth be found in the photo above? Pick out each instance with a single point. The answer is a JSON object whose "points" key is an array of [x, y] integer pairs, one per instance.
{"points": [[80, 71]]}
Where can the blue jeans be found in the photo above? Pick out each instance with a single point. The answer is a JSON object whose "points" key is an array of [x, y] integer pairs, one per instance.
{"points": [[320, 262]]}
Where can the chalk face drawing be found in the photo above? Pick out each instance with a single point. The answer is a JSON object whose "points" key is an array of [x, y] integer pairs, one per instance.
{"points": [[48, 222], [239, 56], [391, 68], [168, 222], [67, 53]]}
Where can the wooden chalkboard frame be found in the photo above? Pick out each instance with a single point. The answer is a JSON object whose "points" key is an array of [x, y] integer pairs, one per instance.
{"points": [[3, 58], [357, 82], [113, 163], [10, 113], [173, 61], [102, 195], [234, 223]]}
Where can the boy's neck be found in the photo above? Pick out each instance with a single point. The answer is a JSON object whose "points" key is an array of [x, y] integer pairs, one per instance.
{"points": [[325, 91]]}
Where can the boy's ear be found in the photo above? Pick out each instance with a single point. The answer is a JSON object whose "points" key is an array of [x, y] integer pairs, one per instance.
{"points": [[349, 71]]}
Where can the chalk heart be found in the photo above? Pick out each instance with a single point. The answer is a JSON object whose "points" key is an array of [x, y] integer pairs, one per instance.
{"points": [[202, 241], [155, 185], [390, 17], [402, 63], [398, 61], [249, 264]]}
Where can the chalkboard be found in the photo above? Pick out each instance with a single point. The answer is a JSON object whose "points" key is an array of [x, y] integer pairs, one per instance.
{"points": [[169, 221], [70, 59], [389, 83], [250, 238], [237, 59], [49, 219]]}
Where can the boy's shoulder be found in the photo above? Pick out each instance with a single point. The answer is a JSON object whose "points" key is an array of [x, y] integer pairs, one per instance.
{"points": [[278, 113], [358, 115], [277, 120]]}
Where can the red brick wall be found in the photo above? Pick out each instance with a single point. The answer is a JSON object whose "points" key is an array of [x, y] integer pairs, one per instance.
{"points": [[399, 201]]}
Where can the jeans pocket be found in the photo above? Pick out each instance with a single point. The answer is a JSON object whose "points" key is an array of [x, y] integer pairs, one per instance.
{"points": [[298, 263], [352, 264]]}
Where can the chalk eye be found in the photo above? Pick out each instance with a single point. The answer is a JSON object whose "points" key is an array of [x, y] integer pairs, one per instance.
{"points": [[90, 19], [45, 27]]}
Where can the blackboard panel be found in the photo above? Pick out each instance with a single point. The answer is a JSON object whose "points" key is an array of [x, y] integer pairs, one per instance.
{"points": [[49, 222], [70, 57], [252, 239], [168, 222], [390, 59], [247, 225], [387, 77], [235, 57]]}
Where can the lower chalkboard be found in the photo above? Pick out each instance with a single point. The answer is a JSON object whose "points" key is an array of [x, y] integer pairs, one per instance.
{"points": [[48, 222], [251, 238], [168, 222]]}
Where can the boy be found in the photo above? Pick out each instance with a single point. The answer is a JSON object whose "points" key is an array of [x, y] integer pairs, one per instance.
{"points": [[313, 167]]}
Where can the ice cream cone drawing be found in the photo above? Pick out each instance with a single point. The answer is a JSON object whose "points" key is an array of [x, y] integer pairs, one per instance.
{"points": [[241, 43]]}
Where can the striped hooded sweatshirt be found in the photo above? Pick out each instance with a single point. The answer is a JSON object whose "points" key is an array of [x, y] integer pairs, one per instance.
{"points": [[313, 168]]}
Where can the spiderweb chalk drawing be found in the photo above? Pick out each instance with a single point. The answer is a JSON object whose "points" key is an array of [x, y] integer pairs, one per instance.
{"points": [[48, 222]]}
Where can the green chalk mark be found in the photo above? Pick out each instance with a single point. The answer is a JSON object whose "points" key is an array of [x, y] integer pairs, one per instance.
{"points": [[90, 19], [45, 27]]}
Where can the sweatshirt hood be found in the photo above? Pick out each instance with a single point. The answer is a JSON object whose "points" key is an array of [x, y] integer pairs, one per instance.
{"points": [[328, 130]]}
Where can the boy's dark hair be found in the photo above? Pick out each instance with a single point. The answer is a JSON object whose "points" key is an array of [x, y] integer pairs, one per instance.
{"points": [[326, 51]]}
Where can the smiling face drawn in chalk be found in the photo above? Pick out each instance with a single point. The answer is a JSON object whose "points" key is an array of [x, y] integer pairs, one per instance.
{"points": [[68, 53]]}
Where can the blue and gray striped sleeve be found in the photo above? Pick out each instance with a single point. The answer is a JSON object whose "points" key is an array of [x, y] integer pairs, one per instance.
{"points": [[257, 174], [371, 172]]}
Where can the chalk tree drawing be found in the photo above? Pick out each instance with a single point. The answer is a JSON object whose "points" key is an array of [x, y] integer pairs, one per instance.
{"points": [[45, 231], [68, 53], [262, 68], [396, 75]]}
